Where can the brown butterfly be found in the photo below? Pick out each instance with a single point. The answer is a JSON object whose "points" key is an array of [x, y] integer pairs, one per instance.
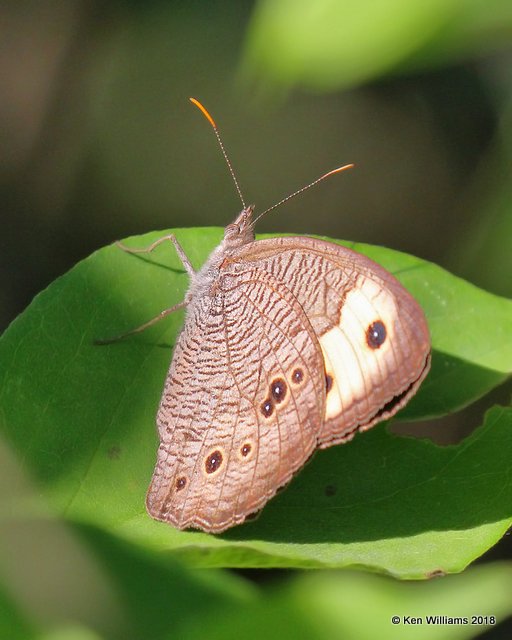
{"points": [[289, 345]]}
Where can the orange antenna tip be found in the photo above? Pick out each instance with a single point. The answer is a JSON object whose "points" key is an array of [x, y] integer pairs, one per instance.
{"points": [[204, 112], [338, 170]]}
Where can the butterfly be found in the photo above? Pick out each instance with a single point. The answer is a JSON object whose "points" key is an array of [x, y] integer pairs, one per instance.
{"points": [[289, 344]]}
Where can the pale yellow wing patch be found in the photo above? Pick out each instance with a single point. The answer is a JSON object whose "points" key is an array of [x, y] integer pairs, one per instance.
{"points": [[357, 369]]}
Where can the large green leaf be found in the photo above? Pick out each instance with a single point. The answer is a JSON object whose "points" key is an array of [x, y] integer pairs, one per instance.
{"points": [[80, 418]]}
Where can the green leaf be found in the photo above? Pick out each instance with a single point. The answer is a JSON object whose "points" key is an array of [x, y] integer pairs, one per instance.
{"points": [[80, 418], [328, 44]]}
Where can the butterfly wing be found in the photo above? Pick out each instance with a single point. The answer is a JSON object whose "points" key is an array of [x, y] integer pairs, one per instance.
{"points": [[373, 334], [242, 406]]}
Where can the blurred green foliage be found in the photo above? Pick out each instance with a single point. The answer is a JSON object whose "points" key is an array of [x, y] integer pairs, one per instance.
{"points": [[329, 45], [162, 600]]}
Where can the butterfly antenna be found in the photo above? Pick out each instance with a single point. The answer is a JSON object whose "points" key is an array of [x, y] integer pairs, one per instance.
{"points": [[219, 140], [308, 186]]}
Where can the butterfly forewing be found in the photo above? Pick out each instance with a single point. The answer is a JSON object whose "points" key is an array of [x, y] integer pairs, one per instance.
{"points": [[373, 335], [243, 404]]}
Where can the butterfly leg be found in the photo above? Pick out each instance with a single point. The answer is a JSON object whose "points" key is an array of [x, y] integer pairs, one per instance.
{"points": [[144, 326], [179, 250], [180, 305]]}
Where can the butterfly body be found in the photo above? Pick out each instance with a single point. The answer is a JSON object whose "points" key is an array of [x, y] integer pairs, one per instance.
{"points": [[289, 345]]}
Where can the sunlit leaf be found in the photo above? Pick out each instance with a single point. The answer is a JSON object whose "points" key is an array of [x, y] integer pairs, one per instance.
{"points": [[80, 418]]}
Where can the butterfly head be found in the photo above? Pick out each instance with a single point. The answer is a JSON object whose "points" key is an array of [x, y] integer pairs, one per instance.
{"points": [[241, 231]]}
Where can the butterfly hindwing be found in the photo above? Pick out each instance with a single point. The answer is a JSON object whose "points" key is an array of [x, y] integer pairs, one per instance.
{"points": [[242, 407]]}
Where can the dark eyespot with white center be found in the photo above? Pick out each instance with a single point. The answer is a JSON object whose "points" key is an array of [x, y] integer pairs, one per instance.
{"points": [[267, 408], [213, 461], [245, 450], [278, 390], [181, 483], [376, 334], [297, 375]]}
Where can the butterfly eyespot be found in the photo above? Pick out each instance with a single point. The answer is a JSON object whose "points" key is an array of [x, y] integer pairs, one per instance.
{"points": [[213, 462], [267, 408], [246, 450], [297, 375], [278, 390], [328, 382], [376, 334], [181, 483]]}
